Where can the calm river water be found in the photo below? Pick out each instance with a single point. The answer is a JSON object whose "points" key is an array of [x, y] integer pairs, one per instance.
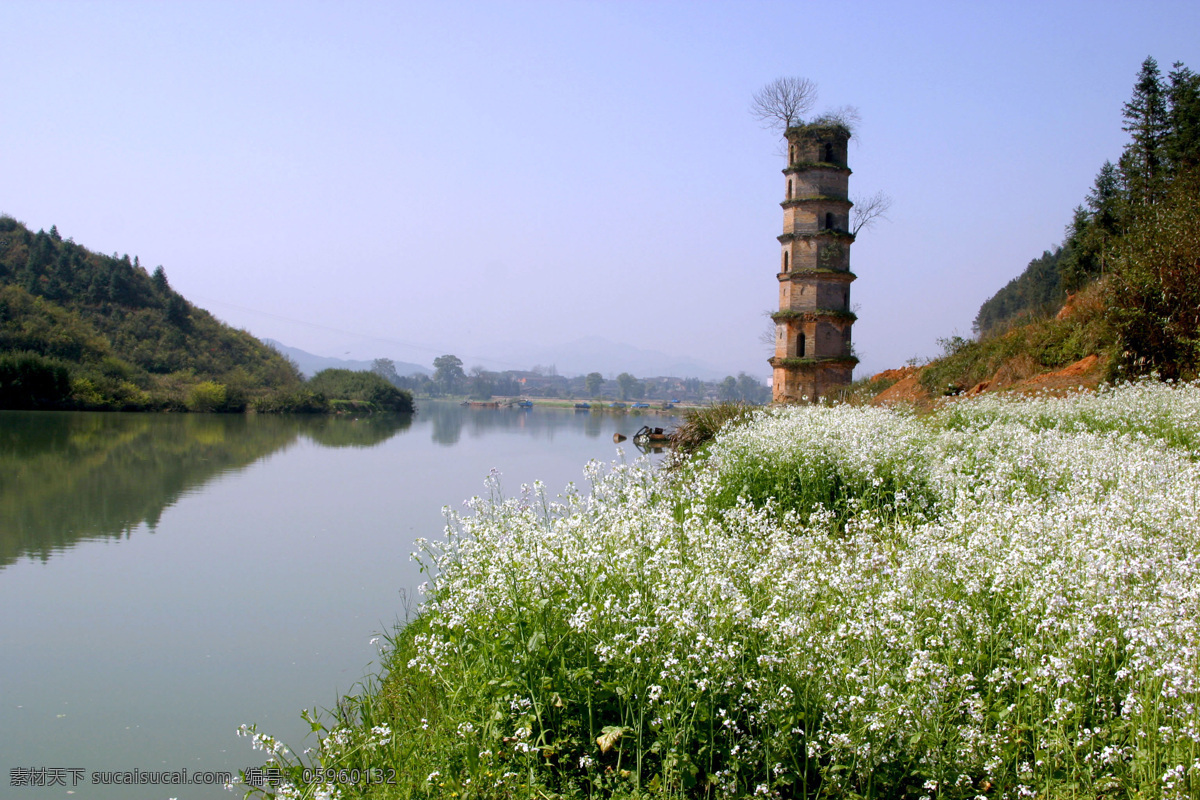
{"points": [[166, 578]]}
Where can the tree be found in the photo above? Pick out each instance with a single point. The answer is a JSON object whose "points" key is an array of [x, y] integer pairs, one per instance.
{"points": [[727, 390], [448, 373], [1181, 146], [1154, 293], [782, 103], [481, 384], [866, 211], [159, 280], [769, 333], [593, 383], [1105, 197], [626, 382], [750, 390], [1092, 230], [1146, 120], [386, 369], [178, 310]]}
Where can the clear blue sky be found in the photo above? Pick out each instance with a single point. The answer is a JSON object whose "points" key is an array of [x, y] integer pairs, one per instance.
{"points": [[408, 179]]}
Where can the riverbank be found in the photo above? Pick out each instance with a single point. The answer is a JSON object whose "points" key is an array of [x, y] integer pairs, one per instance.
{"points": [[996, 599], [599, 406]]}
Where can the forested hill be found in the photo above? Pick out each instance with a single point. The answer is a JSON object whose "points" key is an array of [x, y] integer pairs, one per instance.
{"points": [[83, 330], [1118, 299], [1153, 181], [1034, 293]]}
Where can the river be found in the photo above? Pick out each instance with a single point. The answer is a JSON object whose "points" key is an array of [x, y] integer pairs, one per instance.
{"points": [[165, 578]]}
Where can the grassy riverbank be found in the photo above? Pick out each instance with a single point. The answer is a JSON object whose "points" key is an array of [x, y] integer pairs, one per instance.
{"points": [[998, 600]]}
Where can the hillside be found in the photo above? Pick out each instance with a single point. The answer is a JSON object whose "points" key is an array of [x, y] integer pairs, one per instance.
{"points": [[1157, 169], [83, 330], [1119, 298], [1070, 350]]}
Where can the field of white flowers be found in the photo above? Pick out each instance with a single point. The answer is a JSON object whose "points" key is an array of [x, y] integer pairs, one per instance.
{"points": [[998, 600]]}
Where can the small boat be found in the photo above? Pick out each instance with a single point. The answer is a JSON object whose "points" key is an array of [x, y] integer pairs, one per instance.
{"points": [[525, 404], [648, 435], [640, 405], [582, 406], [616, 405], [483, 404]]}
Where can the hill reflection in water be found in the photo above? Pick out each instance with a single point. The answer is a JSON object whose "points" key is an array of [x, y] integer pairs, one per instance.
{"points": [[67, 477]]}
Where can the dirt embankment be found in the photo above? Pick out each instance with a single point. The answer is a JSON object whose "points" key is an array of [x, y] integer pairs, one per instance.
{"points": [[1018, 375]]}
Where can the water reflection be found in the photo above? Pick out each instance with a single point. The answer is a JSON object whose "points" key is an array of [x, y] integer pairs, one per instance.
{"points": [[446, 419], [69, 477], [363, 432], [449, 421]]}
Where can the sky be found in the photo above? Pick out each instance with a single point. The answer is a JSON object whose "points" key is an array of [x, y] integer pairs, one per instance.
{"points": [[410, 179]]}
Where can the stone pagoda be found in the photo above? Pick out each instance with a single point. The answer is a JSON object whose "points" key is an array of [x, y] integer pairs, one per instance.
{"points": [[813, 359]]}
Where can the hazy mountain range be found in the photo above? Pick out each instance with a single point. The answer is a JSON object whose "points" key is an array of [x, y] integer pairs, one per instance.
{"points": [[597, 354], [579, 357], [311, 364]]}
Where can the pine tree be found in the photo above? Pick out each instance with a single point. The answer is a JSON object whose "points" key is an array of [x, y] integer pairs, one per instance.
{"points": [[1182, 140], [159, 279], [1092, 231], [1146, 120]]}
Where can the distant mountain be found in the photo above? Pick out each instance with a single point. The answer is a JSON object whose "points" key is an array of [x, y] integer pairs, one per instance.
{"points": [[597, 354], [578, 357], [310, 364]]}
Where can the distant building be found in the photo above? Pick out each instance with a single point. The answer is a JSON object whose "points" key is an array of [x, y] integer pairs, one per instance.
{"points": [[812, 327]]}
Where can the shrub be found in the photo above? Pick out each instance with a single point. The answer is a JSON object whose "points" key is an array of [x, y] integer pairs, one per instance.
{"points": [[363, 386], [206, 396], [301, 401], [1155, 289], [700, 425], [28, 381]]}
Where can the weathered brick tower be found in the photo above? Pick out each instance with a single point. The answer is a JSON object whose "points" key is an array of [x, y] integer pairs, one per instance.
{"points": [[812, 327]]}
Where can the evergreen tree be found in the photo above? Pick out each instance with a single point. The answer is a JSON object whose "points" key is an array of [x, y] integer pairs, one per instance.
{"points": [[1182, 141], [1146, 121], [1092, 231], [1104, 199], [159, 279], [177, 310]]}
